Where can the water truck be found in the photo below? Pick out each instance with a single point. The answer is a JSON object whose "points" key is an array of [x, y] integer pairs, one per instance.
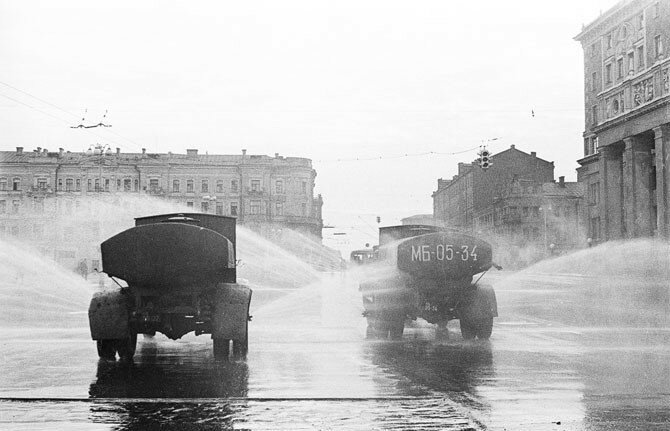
{"points": [[427, 272], [178, 275]]}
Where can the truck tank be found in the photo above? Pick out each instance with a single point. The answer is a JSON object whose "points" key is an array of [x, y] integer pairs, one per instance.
{"points": [[179, 276], [429, 274]]}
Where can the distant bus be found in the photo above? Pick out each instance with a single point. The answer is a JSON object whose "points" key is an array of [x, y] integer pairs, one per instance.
{"points": [[361, 257]]}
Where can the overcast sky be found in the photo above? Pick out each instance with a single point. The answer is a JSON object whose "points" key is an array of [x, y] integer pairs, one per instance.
{"points": [[330, 81]]}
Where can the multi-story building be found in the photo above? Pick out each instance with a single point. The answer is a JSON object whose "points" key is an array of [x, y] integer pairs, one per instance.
{"points": [[627, 120], [265, 193], [515, 200]]}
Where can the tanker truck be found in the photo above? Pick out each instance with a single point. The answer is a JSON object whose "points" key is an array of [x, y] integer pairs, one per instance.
{"points": [[427, 272], [175, 274]]}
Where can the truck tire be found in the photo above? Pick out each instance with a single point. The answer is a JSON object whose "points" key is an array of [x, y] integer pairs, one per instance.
{"points": [[468, 330], [221, 348], [484, 328], [106, 349], [241, 347], [396, 328], [125, 347]]}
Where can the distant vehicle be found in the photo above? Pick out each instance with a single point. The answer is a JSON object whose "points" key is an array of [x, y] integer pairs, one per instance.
{"points": [[430, 275], [362, 256], [180, 272]]}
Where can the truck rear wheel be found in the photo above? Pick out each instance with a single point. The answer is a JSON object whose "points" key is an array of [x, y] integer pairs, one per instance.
{"points": [[484, 328], [125, 347], [241, 347], [468, 330]]}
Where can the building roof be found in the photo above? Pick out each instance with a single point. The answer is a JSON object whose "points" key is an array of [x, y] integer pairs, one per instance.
{"points": [[571, 189], [44, 157], [604, 17]]}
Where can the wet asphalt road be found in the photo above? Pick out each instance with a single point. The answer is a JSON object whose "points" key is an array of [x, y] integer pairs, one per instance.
{"points": [[309, 367]]}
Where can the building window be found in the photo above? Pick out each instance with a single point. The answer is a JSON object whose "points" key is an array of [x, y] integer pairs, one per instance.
{"points": [[594, 79], [640, 57], [126, 185], [233, 208], [16, 184], [631, 62], [255, 207], [594, 193], [106, 184], [69, 184], [279, 187], [118, 184], [204, 207], [189, 186], [594, 114], [3, 183], [234, 186], [619, 68], [89, 185], [3, 207], [609, 41], [153, 184], [608, 73], [279, 208], [205, 186], [175, 186], [595, 228], [304, 187], [658, 46], [594, 48], [16, 205], [136, 185], [97, 185], [60, 184], [189, 205], [255, 186], [219, 186], [219, 208], [657, 10], [640, 21], [42, 183], [77, 184]]}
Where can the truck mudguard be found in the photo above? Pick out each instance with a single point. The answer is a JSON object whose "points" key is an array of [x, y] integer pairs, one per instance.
{"points": [[108, 315], [231, 311]]}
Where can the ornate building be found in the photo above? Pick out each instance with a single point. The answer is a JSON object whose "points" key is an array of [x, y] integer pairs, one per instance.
{"points": [[264, 193], [514, 201], [627, 120]]}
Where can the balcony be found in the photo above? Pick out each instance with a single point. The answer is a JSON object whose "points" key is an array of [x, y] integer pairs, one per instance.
{"points": [[634, 93]]}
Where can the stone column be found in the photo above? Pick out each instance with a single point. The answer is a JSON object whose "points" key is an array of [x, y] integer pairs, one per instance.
{"points": [[636, 188], [611, 212], [662, 156]]}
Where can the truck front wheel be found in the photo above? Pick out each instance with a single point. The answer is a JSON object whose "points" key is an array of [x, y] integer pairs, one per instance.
{"points": [[106, 349]]}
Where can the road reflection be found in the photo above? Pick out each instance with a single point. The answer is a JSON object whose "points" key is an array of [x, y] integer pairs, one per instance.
{"points": [[455, 367], [174, 373]]}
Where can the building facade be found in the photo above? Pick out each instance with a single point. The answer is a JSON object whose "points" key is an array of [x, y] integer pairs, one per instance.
{"points": [[627, 121], [515, 201], [264, 193]]}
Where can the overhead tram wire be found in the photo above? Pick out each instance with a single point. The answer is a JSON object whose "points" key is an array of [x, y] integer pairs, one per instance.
{"points": [[57, 118], [135, 144], [399, 156]]}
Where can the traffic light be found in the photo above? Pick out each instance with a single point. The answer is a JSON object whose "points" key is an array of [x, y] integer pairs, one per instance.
{"points": [[485, 159]]}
